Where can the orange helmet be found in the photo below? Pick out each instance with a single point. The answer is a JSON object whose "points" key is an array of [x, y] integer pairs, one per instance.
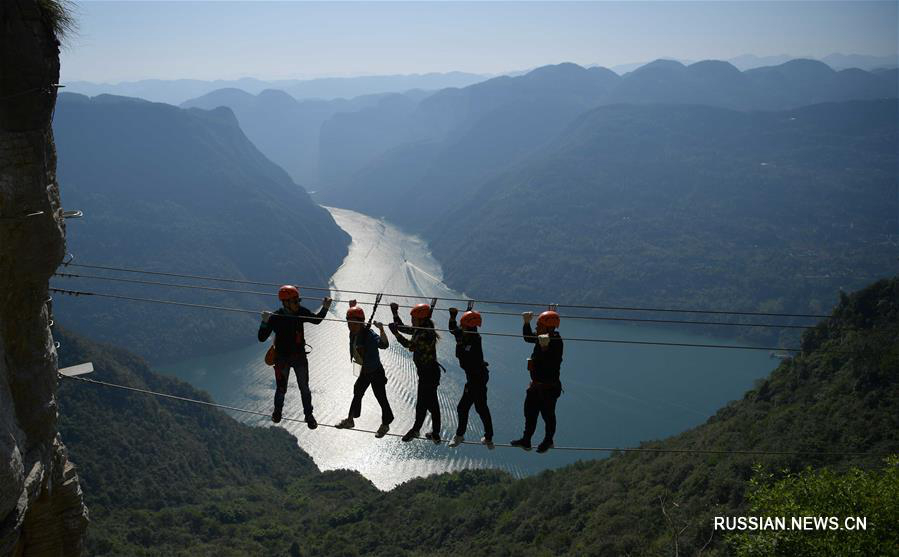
{"points": [[549, 319], [355, 313], [471, 319], [420, 311], [288, 292]]}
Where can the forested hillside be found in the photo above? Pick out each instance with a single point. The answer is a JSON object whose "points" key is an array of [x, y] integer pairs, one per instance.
{"points": [[164, 477], [166, 189], [457, 139], [688, 206]]}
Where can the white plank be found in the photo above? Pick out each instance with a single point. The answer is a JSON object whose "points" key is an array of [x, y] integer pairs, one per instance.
{"points": [[80, 369]]}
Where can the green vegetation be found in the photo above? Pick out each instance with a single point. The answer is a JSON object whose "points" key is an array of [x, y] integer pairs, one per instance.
{"points": [[872, 495], [671, 186], [689, 207], [172, 478], [167, 478], [59, 15]]}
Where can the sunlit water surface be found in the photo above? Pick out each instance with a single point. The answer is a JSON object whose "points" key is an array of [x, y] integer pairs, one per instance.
{"points": [[615, 395]]}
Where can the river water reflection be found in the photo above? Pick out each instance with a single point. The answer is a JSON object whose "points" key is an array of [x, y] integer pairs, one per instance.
{"points": [[615, 395]]}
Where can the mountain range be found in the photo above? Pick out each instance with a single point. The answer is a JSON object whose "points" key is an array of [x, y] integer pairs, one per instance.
{"points": [[683, 206], [517, 116], [179, 190], [685, 186], [835, 60], [177, 91], [287, 130]]}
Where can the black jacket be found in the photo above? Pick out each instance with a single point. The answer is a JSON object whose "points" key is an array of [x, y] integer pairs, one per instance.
{"points": [[548, 362], [290, 339], [469, 352]]}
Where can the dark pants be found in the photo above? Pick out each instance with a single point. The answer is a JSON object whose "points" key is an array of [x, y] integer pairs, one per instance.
{"points": [[301, 369], [378, 380], [475, 393], [540, 400], [428, 381]]}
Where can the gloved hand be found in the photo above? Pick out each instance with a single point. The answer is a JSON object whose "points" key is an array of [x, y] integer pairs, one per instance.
{"points": [[453, 312], [527, 316], [394, 307], [326, 301], [265, 316]]}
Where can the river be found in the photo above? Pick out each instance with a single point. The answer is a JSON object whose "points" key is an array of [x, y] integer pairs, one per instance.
{"points": [[615, 395]]}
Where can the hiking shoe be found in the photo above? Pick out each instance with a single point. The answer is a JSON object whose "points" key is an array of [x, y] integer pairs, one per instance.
{"points": [[276, 416], [346, 423], [544, 446], [432, 436], [457, 440], [382, 431], [488, 442], [410, 435], [311, 423], [523, 443]]}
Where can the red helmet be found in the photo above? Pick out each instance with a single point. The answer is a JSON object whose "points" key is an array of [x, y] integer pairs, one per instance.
{"points": [[549, 319], [471, 318], [355, 313], [288, 292], [421, 311]]}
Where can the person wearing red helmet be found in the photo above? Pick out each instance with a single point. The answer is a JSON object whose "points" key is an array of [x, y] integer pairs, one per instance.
{"points": [[471, 360], [423, 345], [545, 387], [290, 347], [364, 346]]}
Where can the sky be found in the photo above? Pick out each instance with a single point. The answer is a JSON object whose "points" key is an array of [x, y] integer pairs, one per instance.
{"points": [[130, 40]]}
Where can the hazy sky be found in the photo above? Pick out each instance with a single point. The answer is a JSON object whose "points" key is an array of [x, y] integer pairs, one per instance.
{"points": [[129, 40]]}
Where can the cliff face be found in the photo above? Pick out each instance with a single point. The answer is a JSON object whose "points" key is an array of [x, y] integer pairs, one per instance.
{"points": [[41, 508]]}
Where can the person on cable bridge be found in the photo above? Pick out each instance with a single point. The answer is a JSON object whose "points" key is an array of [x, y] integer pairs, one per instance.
{"points": [[545, 387], [423, 345], [471, 360], [364, 346], [290, 347]]}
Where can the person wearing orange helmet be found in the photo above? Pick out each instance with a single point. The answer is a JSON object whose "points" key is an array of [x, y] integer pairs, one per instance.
{"points": [[364, 346], [290, 346], [423, 345], [471, 360], [545, 387]]}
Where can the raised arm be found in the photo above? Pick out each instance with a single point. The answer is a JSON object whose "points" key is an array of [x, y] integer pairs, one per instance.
{"points": [[383, 344], [316, 318], [398, 321], [526, 332], [453, 327], [265, 328], [394, 328]]}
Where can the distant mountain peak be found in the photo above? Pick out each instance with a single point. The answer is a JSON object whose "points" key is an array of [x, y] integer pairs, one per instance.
{"points": [[662, 63], [806, 63], [565, 68]]}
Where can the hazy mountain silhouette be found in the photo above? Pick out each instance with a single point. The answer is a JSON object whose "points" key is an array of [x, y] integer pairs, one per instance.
{"points": [[285, 129], [177, 91], [749, 61], [461, 135], [458, 138], [182, 191]]}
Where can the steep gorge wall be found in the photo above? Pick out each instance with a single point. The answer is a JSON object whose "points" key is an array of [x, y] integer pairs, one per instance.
{"points": [[41, 508]]}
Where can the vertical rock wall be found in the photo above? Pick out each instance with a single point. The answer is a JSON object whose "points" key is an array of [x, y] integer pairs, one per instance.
{"points": [[41, 508]]}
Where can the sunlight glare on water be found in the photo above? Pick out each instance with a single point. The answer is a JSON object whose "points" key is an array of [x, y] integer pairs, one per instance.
{"points": [[615, 395]]}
